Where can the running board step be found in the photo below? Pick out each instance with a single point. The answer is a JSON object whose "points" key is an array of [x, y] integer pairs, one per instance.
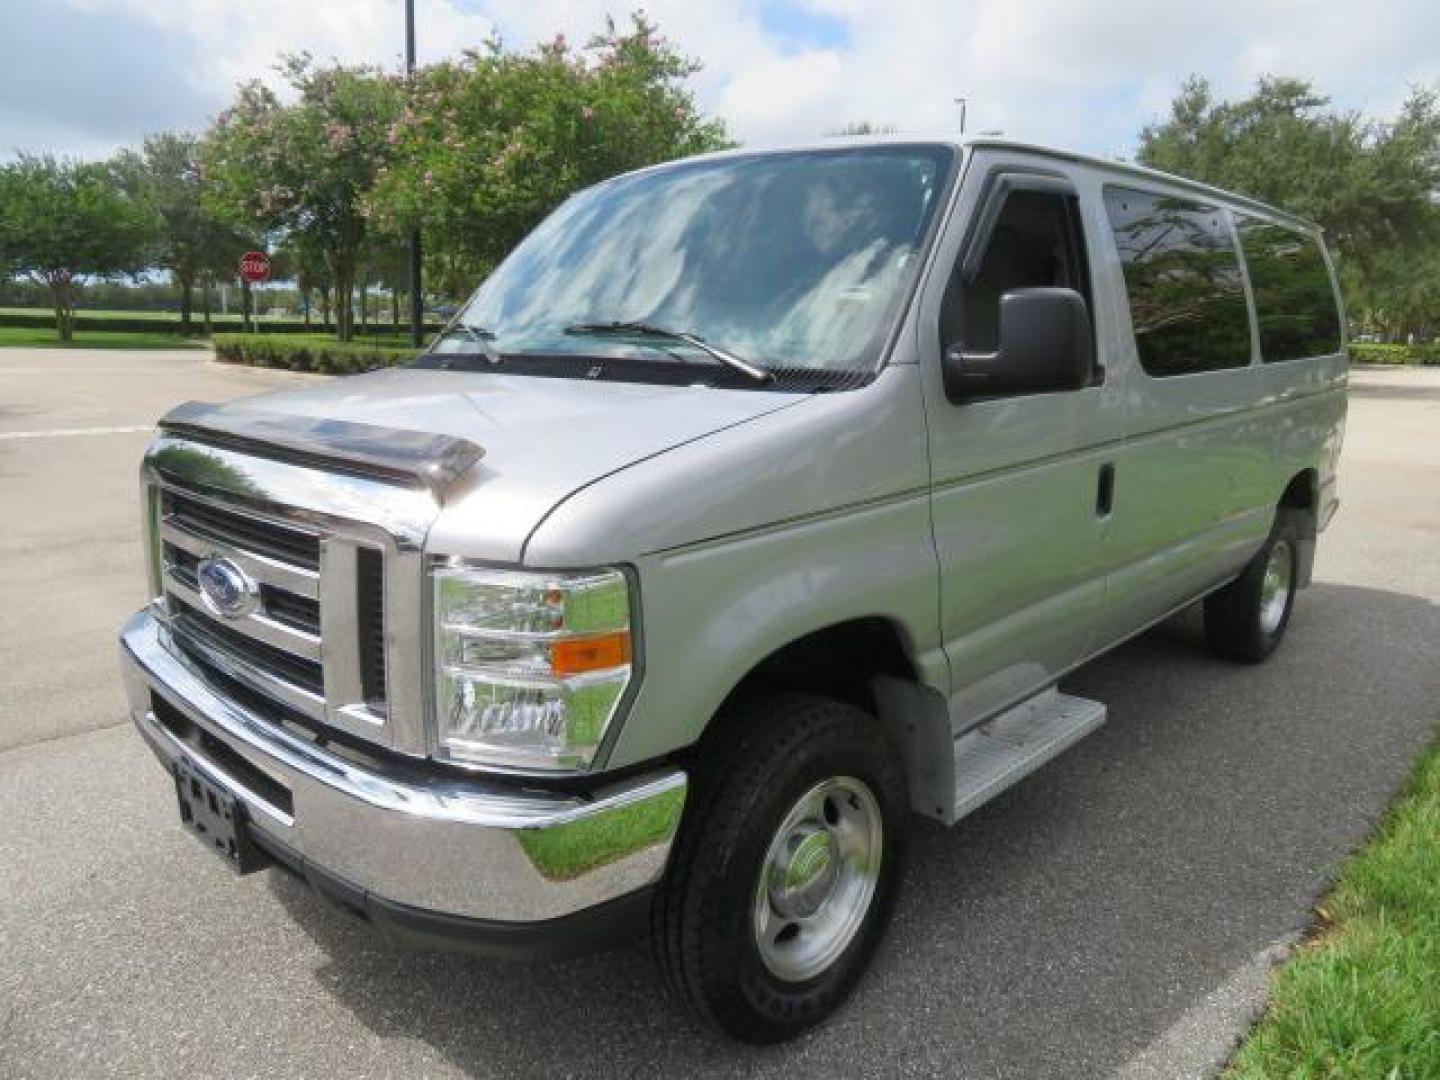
{"points": [[1005, 750]]}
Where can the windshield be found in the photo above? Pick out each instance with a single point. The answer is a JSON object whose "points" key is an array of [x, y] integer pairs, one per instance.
{"points": [[794, 260]]}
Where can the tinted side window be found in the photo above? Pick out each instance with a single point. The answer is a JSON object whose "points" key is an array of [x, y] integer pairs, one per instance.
{"points": [[1182, 273], [1294, 303]]}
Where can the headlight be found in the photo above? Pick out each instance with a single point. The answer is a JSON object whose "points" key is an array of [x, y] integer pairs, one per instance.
{"points": [[530, 667]]}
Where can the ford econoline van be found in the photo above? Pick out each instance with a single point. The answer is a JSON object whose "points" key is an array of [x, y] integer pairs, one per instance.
{"points": [[756, 502]]}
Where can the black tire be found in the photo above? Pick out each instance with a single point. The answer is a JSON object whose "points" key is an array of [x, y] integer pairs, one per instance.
{"points": [[1237, 626], [768, 755]]}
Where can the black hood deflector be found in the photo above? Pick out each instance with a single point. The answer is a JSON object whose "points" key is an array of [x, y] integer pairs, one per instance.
{"points": [[395, 456]]}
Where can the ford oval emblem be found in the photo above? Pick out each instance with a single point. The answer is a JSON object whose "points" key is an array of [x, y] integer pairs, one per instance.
{"points": [[225, 588]]}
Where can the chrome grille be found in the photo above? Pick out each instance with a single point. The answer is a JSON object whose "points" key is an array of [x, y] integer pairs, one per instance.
{"points": [[275, 649], [331, 634]]}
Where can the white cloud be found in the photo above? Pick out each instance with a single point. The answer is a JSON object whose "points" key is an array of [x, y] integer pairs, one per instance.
{"points": [[1074, 72], [234, 40]]}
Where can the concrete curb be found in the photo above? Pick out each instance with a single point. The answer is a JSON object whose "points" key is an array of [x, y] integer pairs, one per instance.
{"points": [[1199, 1044]]}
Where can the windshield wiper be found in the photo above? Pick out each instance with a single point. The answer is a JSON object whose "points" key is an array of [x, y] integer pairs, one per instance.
{"points": [[475, 333], [478, 334], [650, 330]]}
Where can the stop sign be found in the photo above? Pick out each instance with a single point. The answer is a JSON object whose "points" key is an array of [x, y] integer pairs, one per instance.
{"points": [[255, 266]]}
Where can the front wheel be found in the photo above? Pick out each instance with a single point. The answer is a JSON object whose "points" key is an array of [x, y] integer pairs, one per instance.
{"points": [[785, 870], [1246, 619]]}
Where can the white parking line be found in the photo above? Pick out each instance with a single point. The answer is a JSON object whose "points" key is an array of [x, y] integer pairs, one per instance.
{"points": [[112, 369], [56, 433]]}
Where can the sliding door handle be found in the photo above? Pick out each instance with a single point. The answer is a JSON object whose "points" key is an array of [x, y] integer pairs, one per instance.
{"points": [[1105, 491]]}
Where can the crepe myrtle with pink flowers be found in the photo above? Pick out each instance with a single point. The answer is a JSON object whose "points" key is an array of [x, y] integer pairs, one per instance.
{"points": [[488, 144], [303, 169], [473, 151]]}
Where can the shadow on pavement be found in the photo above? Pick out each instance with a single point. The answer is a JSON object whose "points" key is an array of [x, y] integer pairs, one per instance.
{"points": [[1056, 931]]}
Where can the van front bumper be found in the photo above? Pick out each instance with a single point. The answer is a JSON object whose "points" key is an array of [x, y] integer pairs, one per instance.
{"points": [[430, 858]]}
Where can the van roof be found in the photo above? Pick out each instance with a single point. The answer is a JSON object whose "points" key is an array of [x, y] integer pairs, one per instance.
{"points": [[988, 142], [1144, 172]]}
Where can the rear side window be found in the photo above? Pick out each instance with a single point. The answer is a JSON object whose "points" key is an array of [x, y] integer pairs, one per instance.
{"points": [[1182, 274], [1294, 303]]}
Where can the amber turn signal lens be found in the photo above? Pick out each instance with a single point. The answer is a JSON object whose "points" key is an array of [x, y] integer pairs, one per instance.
{"points": [[573, 656]]}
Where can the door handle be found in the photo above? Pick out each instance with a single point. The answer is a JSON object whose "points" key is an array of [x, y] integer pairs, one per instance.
{"points": [[1105, 490]]}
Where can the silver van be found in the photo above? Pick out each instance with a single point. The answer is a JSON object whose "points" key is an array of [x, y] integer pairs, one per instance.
{"points": [[754, 503]]}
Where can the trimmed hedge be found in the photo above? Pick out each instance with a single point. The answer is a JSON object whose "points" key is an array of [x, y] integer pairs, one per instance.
{"points": [[140, 324], [306, 353], [84, 320], [1374, 353]]}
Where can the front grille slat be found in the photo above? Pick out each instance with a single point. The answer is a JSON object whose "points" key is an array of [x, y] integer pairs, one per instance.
{"points": [[297, 670], [300, 612], [370, 609], [181, 564], [257, 627], [263, 537]]}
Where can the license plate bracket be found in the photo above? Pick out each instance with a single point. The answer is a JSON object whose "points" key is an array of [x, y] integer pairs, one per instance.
{"points": [[217, 819]]}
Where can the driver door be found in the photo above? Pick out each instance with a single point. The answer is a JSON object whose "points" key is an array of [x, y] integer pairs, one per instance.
{"points": [[1022, 485]]}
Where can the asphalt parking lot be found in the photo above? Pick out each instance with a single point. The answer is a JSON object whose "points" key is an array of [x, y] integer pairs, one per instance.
{"points": [[1058, 932]]}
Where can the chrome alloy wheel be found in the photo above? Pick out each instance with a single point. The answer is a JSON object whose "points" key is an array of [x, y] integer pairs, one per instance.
{"points": [[818, 878], [1275, 586]]}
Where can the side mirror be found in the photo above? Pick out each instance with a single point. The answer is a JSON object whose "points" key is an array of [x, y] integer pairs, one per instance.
{"points": [[1045, 346]]}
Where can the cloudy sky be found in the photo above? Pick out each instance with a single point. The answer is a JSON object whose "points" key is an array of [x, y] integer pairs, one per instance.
{"points": [[82, 77]]}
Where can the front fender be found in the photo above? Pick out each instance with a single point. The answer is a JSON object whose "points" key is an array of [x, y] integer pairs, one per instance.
{"points": [[712, 613], [758, 535]]}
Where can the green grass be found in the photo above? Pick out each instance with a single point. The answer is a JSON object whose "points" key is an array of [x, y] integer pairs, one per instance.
{"points": [[1362, 998], [21, 336]]}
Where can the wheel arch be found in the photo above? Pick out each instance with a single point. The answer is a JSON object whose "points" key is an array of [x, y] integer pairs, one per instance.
{"points": [[1301, 501], [870, 662]]}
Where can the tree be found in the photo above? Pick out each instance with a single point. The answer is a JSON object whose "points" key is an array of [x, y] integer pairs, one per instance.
{"points": [[303, 169], [1399, 295], [64, 221], [861, 127], [168, 176], [387, 258], [223, 266], [490, 144], [306, 263], [1371, 185]]}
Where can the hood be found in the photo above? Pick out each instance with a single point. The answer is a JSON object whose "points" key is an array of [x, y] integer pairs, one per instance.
{"points": [[543, 438]]}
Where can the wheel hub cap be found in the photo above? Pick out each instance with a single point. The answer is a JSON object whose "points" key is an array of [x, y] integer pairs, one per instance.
{"points": [[1275, 587], [818, 879], [806, 872]]}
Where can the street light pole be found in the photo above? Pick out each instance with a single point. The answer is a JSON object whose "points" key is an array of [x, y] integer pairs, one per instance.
{"points": [[417, 293], [962, 102]]}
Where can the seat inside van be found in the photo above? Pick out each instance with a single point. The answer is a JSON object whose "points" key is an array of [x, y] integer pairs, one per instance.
{"points": [[1029, 248]]}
